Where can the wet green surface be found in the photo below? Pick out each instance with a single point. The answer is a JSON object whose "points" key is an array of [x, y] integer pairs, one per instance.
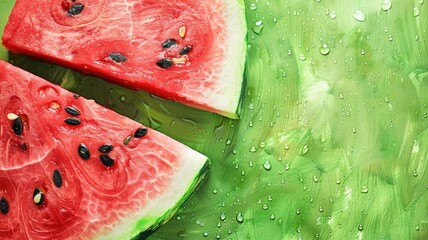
{"points": [[332, 142]]}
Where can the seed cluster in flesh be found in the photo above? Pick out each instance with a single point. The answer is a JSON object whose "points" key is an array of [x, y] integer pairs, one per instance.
{"points": [[172, 43], [105, 159]]}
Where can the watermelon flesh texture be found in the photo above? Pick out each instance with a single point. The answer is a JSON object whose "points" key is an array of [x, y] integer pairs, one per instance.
{"points": [[150, 176], [209, 76]]}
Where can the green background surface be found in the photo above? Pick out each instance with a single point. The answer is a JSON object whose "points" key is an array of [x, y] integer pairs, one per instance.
{"points": [[333, 138]]}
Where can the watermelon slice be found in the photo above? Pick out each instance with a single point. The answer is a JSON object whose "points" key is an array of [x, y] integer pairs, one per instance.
{"points": [[72, 169], [191, 51]]}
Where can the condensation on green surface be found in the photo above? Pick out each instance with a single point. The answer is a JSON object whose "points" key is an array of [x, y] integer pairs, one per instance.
{"points": [[333, 138]]}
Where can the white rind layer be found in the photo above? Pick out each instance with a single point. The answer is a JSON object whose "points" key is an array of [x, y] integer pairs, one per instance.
{"points": [[234, 60], [161, 208]]}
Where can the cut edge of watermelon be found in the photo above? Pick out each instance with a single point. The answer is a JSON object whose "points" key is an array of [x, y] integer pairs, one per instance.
{"points": [[234, 67], [143, 223]]}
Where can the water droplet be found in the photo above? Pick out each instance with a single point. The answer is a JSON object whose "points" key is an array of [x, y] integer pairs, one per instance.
{"points": [[359, 16], [122, 98], [215, 191], [324, 49], [272, 216], [360, 227], [390, 38], [321, 209], [267, 165], [326, 11], [415, 173], [240, 218], [218, 236], [386, 5], [304, 149], [253, 149], [354, 130], [341, 96], [258, 27], [253, 7], [416, 11], [333, 15], [297, 211], [223, 216], [205, 234], [265, 207], [286, 147], [287, 167], [270, 198], [302, 57], [315, 179]]}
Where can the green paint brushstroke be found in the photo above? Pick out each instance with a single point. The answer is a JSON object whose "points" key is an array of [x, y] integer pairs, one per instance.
{"points": [[332, 141]]}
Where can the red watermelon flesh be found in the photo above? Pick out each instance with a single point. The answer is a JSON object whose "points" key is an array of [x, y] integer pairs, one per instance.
{"points": [[146, 174], [126, 42]]}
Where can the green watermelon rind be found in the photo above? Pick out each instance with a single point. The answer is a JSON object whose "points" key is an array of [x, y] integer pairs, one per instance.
{"points": [[160, 210], [229, 104], [170, 213]]}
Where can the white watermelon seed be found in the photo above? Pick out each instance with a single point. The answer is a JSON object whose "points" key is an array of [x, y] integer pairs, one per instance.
{"points": [[54, 105], [12, 116], [38, 197], [182, 31], [180, 60], [127, 140]]}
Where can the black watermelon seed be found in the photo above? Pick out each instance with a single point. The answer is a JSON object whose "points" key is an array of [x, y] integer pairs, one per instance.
{"points": [[169, 43], [57, 178], [106, 160], [72, 111], [117, 57], [4, 206], [72, 121], [75, 9], [141, 132], [185, 50], [84, 151], [106, 148], [76, 96], [164, 63], [17, 126], [38, 197]]}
